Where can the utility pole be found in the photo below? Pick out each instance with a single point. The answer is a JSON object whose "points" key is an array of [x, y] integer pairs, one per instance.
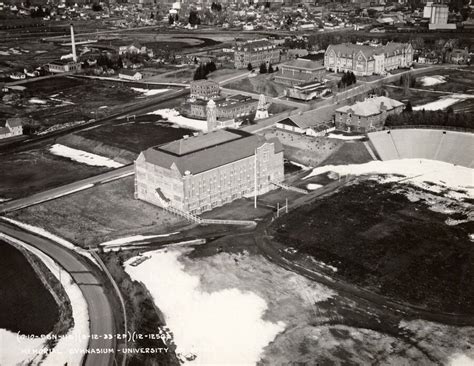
{"points": [[286, 206], [255, 190]]}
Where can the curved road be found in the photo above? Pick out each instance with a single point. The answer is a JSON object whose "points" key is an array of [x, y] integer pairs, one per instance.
{"points": [[101, 320]]}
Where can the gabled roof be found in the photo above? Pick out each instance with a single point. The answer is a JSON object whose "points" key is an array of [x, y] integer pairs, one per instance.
{"points": [[311, 119], [129, 72], [301, 63], [349, 49], [197, 154], [14, 122], [370, 106]]}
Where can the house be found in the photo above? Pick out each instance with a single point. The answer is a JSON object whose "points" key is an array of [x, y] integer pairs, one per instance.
{"points": [[368, 59], [299, 71], [61, 66], [255, 52], [368, 115], [312, 123], [12, 127], [130, 75], [459, 56], [198, 173]]}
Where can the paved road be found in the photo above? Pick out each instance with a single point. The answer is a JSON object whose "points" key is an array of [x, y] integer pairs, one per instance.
{"points": [[66, 189], [100, 312]]}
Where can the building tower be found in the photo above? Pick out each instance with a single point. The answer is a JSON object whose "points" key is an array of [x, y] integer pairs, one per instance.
{"points": [[211, 116], [262, 108], [73, 44]]}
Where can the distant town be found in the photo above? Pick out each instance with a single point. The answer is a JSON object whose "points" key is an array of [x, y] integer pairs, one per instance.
{"points": [[236, 182]]}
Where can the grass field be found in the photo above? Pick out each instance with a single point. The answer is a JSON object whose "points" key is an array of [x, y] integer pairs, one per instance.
{"points": [[27, 306], [382, 241], [456, 81], [102, 213], [25, 173]]}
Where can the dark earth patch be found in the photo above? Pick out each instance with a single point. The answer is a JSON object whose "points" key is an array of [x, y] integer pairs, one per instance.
{"points": [[26, 306], [380, 240]]}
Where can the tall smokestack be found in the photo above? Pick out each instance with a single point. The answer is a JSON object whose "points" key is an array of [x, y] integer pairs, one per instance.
{"points": [[73, 44]]}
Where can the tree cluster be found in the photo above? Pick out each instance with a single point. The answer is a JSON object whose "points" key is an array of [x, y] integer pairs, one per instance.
{"points": [[194, 18], [431, 118], [97, 7], [216, 7], [264, 69], [40, 12], [347, 79], [203, 70], [172, 19]]}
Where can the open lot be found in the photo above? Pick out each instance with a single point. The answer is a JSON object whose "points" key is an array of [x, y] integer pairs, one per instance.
{"points": [[137, 135], [260, 84], [98, 214], [452, 80], [380, 240], [62, 100], [25, 173], [30, 308], [304, 149]]}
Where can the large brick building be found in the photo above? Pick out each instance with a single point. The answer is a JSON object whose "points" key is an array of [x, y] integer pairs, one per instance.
{"points": [[198, 173], [368, 60], [204, 89], [368, 115], [255, 52]]}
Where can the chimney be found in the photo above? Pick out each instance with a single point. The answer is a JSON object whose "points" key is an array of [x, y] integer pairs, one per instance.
{"points": [[73, 44]]}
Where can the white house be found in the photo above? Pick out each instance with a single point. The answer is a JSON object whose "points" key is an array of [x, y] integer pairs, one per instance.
{"points": [[12, 127], [130, 75]]}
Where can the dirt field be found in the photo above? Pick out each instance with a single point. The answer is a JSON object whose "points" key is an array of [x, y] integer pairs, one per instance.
{"points": [[261, 84], [382, 241], [99, 214], [304, 149], [61, 100], [352, 152], [30, 308], [25, 173]]}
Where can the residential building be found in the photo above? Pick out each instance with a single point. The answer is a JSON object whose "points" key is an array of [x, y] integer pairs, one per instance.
{"points": [[299, 71], [231, 107], [255, 52], [368, 115], [368, 59], [459, 56], [12, 127], [204, 89], [130, 75], [61, 66], [198, 173]]}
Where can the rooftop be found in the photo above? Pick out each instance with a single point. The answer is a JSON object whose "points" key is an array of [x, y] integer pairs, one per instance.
{"points": [[370, 106], [203, 152], [369, 51]]}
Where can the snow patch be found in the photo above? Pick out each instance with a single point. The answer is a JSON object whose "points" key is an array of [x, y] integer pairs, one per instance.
{"points": [[35, 100], [461, 360], [205, 323], [135, 238], [344, 137], [14, 347], [69, 55], [150, 92], [173, 116], [441, 175], [313, 186], [304, 167], [432, 80], [443, 102], [83, 156]]}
